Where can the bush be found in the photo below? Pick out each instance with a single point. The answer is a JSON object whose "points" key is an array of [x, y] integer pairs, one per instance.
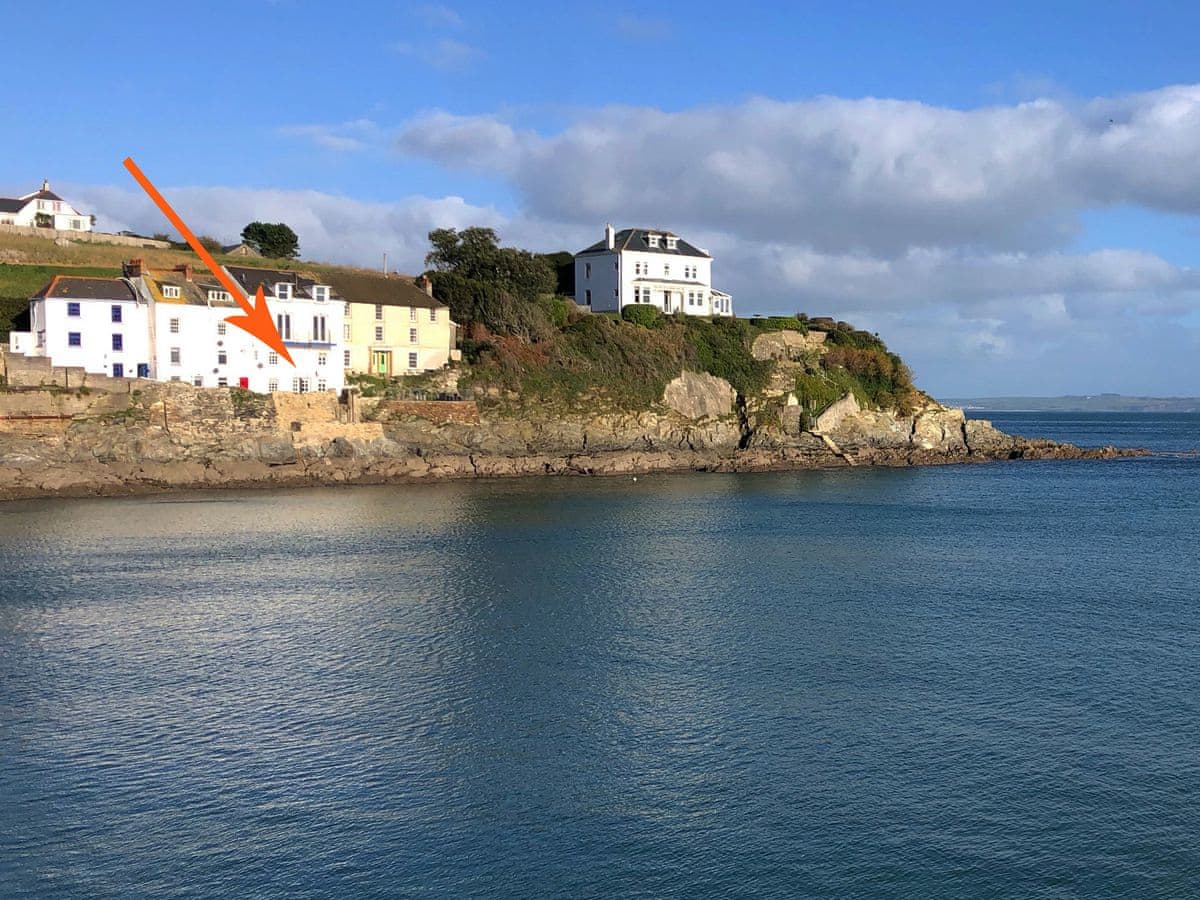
{"points": [[721, 347], [640, 314], [780, 323]]}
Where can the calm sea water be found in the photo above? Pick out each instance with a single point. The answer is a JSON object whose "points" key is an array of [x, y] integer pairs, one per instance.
{"points": [[970, 681]]}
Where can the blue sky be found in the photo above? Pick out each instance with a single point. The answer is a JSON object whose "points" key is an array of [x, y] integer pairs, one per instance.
{"points": [[975, 183]]}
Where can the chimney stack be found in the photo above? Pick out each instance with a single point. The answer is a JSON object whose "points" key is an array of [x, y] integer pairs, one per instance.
{"points": [[427, 285], [610, 236], [186, 270], [132, 268], [45, 184]]}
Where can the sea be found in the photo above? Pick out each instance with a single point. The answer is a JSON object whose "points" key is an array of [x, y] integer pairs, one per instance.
{"points": [[974, 681]]}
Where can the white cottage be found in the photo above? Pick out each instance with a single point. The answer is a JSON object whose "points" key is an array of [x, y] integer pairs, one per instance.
{"points": [[98, 324], [651, 266], [44, 209]]}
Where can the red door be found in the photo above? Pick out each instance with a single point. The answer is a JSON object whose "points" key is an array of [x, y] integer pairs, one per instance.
{"points": [[244, 383]]}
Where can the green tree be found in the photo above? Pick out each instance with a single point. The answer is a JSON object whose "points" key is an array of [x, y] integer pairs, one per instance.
{"points": [[475, 253], [274, 240], [43, 220]]}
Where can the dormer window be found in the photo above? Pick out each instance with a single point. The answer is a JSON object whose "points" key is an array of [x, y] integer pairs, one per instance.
{"points": [[320, 292], [672, 242], [170, 292], [283, 290], [652, 239], [218, 296]]}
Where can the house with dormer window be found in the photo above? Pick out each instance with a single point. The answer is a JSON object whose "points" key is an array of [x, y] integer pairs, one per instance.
{"points": [[648, 266], [43, 209]]}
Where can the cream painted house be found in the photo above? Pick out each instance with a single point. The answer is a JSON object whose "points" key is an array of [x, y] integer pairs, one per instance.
{"points": [[391, 326]]}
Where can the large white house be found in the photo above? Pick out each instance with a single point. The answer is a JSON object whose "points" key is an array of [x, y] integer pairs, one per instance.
{"points": [[43, 208], [170, 326], [647, 265]]}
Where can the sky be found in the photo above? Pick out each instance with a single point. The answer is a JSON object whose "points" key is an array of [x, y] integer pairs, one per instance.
{"points": [[1007, 193]]}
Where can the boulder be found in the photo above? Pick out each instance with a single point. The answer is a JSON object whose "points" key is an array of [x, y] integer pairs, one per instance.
{"points": [[698, 395]]}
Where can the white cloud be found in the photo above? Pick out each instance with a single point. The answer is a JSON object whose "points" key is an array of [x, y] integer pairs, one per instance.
{"points": [[446, 54], [435, 15], [346, 137], [330, 227]]}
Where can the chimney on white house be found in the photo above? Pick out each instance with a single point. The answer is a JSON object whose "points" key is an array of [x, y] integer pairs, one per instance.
{"points": [[427, 285], [45, 184], [610, 236]]}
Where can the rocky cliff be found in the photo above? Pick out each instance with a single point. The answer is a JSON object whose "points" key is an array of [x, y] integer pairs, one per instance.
{"points": [[158, 436]]}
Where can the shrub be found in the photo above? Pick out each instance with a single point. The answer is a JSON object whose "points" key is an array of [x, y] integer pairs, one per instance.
{"points": [[641, 314], [780, 323], [721, 347]]}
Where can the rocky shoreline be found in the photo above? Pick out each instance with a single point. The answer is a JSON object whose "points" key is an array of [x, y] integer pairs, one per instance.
{"points": [[165, 436]]}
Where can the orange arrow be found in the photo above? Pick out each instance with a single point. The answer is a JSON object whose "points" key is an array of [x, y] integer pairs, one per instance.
{"points": [[257, 319]]}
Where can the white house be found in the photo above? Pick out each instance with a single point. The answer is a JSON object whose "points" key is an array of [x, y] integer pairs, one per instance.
{"points": [[98, 324], [646, 265], [170, 326], [43, 208]]}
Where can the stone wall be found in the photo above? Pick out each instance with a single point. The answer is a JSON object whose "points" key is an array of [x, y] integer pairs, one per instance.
{"points": [[88, 237], [440, 412]]}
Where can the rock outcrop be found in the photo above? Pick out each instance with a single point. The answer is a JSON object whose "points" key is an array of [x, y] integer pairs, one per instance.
{"points": [[164, 436]]}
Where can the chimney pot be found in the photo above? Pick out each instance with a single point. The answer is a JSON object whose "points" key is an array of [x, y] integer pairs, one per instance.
{"points": [[427, 285], [45, 184], [610, 236], [132, 268]]}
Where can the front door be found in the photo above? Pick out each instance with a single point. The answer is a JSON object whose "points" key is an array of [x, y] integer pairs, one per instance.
{"points": [[381, 362], [666, 301]]}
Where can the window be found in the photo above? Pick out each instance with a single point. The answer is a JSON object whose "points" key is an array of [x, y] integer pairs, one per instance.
{"points": [[222, 358], [72, 309], [652, 240], [272, 358], [345, 359], [143, 370], [222, 382], [672, 242], [300, 385], [322, 359], [174, 326], [283, 323], [587, 297], [170, 292], [283, 291], [74, 339], [221, 328], [378, 312], [76, 224], [174, 356], [346, 307], [218, 296], [379, 334], [320, 292], [272, 385], [318, 331], [118, 370], [412, 314], [197, 381], [320, 384], [118, 342], [175, 378], [412, 335], [116, 313], [412, 360], [346, 332], [587, 270], [666, 270], [432, 315]]}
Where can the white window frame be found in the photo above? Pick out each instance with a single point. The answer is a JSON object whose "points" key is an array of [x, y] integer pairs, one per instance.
{"points": [[170, 292], [283, 290]]}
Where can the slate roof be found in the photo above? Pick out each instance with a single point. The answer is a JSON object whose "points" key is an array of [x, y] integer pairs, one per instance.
{"points": [[635, 239], [250, 279], [10, 205], [191, 292], [383, 290], [78, 287], [43, 195]]}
